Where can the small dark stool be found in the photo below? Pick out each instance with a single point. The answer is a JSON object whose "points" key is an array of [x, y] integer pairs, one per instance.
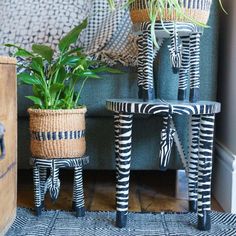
{"points": [[51, 183]]}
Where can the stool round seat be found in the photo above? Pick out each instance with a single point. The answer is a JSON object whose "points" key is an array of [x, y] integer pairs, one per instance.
{"points": [[162, 30], [157, 106]]}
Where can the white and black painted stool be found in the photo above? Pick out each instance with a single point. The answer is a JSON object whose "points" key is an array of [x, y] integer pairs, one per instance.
{"points": [[51, 183], [184, 56], [198, 163]]}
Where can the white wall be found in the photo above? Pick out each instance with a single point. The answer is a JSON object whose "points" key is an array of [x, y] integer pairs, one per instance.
{"points": [[224, 172]]}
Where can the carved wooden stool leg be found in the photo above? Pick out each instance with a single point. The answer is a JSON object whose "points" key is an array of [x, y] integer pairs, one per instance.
{"points": [[37, 191], [122, 187], [140, 66], [79, 192], [205, 171], [193, 163], [147, 60], [117, 131], [194, 67], [43, 178], [184, 69]]}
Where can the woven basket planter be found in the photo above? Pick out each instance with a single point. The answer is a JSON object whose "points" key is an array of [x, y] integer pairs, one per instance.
{"points": [[57, 133], [198, 10]]}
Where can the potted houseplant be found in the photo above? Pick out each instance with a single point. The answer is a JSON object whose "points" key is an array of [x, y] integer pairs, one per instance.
{"points": [[167, 10], [191, 11], [57, 119]]}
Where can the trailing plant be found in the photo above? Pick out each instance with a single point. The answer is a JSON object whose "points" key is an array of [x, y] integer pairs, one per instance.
{"points": [[54, 76], [158, 8]]}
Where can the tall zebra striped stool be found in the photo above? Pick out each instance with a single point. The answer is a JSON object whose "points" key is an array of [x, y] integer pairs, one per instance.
{"points": [[185, 57], [51, 183], [198, 163]]}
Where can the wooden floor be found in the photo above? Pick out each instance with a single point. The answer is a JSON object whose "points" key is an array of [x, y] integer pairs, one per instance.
{"points": [[149, 191]]}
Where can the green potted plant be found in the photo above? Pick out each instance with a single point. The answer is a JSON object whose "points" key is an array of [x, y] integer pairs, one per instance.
{"points": [[191, 11], [168, 10], [57, 119]]}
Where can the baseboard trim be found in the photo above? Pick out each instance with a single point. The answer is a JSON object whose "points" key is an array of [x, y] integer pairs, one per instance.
{"points": [[224, 177]]}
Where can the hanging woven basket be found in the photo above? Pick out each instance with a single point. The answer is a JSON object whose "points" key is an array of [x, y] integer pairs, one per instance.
{"points": [[57, 133], [198, 10]]}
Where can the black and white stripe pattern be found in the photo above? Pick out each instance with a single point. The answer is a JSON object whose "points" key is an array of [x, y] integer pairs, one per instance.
{"points": [[52, 183], [122, 188], [182, 57], [167, 138], [194, 67], [205, 170], [147, 83], [47, 136], [184, 68], [175, 51], [136, 106], [199, 165], [193, 162], [116, 133], [78, 193], [37, 191], [43, 178]]}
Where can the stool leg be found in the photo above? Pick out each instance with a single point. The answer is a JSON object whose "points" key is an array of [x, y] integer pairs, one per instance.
{"points": [[205, 171], [140, 66], [147, 92], [37, 191], [116, 132], [193, 163], [184, 69], [43, 178], [194, 67], [122, 187], [79, 192]]}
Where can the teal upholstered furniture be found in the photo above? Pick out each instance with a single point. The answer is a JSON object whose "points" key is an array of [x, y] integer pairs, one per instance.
{"points": [[100, 122]]}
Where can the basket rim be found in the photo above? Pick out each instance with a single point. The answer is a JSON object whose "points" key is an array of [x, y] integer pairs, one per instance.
{"points": [[33, 111]]}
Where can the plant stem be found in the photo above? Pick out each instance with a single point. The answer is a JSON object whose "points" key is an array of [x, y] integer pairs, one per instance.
{"points": [[81, 88]]}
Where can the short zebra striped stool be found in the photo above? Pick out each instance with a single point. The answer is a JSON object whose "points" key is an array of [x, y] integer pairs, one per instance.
{"points": [[184, 51], [51, 183], [198, 163]]}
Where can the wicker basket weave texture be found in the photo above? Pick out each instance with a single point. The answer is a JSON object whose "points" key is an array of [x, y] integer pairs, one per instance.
{"points": [[198, 10], [57, 133]]}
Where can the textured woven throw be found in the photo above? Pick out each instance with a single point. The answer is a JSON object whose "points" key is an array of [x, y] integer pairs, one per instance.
{"points": [[61, 223], [108, 36]]}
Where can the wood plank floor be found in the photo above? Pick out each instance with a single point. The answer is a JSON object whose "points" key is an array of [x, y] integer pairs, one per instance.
{"points": [[149, 191]]}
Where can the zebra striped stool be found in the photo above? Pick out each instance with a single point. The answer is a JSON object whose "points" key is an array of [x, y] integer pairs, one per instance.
{"points": [[198, 164], [42, 182], [185, 58]]}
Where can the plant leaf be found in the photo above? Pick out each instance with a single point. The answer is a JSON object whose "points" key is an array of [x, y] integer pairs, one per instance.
{"points": [[44, 51], [61, 75], [26, 78], [72, 36], [36, 100], [70, 60], [37, 64], [55, 88], [89, 74], [21, 52]]}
